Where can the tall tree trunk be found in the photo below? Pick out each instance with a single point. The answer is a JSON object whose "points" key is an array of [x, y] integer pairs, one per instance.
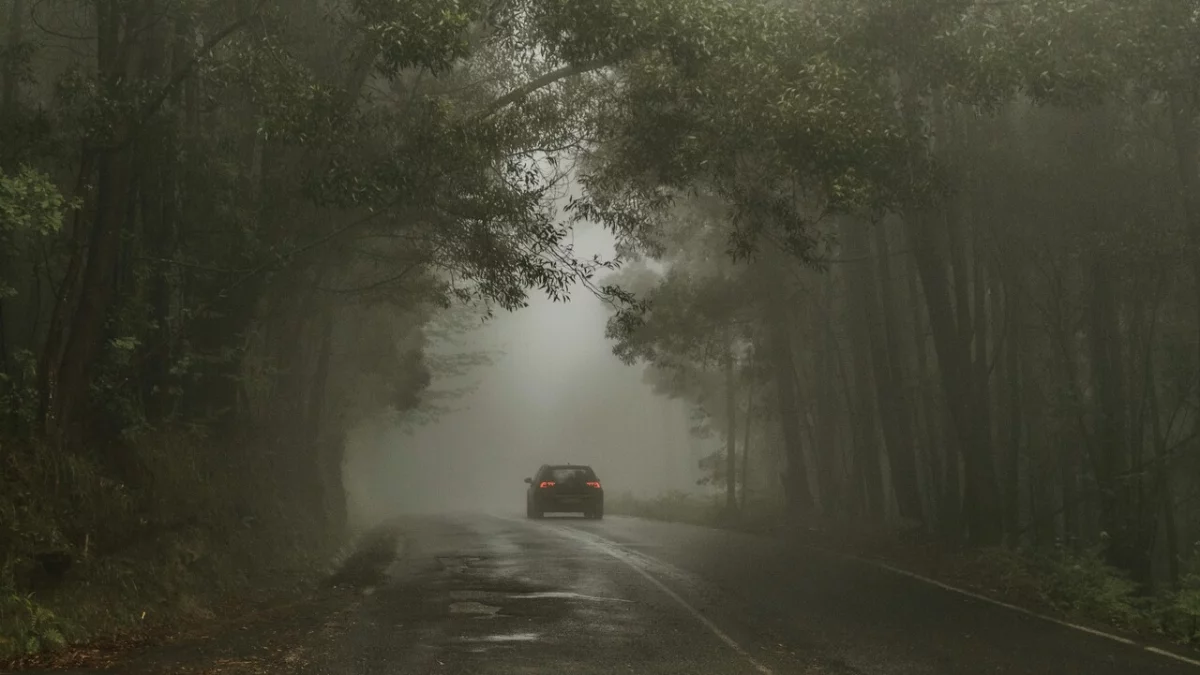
{"points": [[829, 450], [12, 69], [1110, 456], [86, 334], [157, 190], [855, 500], [1162, 482], [982, 356], [1040, 459], [945, 502], [894, 402], [77, 330], [731, 432], [66, 299], [869, 383], [982, 507], [747, 425], [1183, 105], [1016, 422], [797, 493], [953, 503], [326, 480]]}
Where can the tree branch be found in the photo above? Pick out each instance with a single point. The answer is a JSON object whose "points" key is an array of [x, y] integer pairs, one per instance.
{"points": [[374, 285], [183, 72], [545, 80]]}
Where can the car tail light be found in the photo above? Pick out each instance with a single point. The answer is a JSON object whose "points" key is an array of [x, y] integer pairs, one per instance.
{"points": [[594, 483], [547, 483]]}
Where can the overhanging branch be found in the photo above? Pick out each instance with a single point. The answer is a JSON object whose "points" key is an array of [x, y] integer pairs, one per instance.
{"points": [[545, 80], [184, 71]]}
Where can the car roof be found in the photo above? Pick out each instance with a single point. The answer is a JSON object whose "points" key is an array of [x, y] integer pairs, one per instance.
{"points": [[567, 466]]}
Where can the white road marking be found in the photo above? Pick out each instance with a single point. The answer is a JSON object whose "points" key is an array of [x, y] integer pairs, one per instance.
{"points": [[902, 572], [1171, 655], [628, 557], [999, 603]]}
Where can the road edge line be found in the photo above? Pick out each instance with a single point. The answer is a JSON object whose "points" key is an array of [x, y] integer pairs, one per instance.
{"points": [[617, 552], [879, 564]]}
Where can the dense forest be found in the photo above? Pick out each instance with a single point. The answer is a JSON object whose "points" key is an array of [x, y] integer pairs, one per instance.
{"points": [[921, 261], [226, 227], [934, 263]]}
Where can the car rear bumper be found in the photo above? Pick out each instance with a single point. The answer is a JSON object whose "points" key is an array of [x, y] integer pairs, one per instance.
{"points": [[569, 503]]}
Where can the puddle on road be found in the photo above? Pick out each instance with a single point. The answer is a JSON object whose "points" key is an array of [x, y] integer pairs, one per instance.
{"points": [[471, 607], [506, 637], [480, 596], [458, 564], [474, 595], [564, 595]]}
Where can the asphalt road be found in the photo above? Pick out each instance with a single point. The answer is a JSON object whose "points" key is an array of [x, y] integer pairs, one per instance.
{"points": [[487, 595]]}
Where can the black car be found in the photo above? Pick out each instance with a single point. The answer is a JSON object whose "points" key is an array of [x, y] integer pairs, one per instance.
{"points": [[564, 488]]}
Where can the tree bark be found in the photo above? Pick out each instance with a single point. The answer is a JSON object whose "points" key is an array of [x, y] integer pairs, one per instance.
{"points": [[77, 329], [86, 334]]}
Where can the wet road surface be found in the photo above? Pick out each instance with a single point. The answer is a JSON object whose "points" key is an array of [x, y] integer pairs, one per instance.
{"points": [[487, 595]]}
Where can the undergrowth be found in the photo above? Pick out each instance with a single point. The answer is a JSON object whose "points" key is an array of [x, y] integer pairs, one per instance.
{"points": [[85, 557], [1076, 584]]}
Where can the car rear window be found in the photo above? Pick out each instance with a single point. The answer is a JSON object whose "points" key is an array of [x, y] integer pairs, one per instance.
{"points": [[571, 474]]}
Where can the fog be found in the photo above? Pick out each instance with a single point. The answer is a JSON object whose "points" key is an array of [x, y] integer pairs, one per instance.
{"points": [[552, 393]]}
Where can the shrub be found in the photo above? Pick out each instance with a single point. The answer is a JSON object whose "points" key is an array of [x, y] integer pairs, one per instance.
{"points": [[1083, 585], [27, 627]]}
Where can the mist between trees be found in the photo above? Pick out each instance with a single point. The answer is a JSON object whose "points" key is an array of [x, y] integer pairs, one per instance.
{"points": [[929, 259]]}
